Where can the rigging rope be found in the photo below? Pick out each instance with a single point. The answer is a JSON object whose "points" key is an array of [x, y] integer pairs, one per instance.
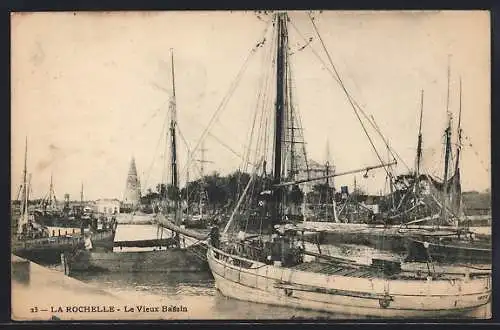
{"points": [[297, 118], [393, 152], [155, 113], [263, 108], [226, 98], [476, 153], [188, 150], [219, 140], [348, 95], [154, 157], [264, 81]]}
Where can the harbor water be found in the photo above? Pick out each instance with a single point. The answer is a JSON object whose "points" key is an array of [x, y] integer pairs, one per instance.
{"points": [[197, 292]]}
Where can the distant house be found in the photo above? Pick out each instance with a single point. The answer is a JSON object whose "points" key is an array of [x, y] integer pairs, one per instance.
{"points": [[108, 206], [476, 203]]}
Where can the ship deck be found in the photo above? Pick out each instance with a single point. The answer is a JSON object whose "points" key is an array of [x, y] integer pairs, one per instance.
{"points": [[408, 271]]}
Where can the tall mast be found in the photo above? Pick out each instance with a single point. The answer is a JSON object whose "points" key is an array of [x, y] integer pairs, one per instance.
{"points": [[355, 193], [202, 162], [419, 143], [278, 121], [173, 143], [327, 181], [81, 196], [28, 187], [25, 175], [23, 219], [447, 153], [291, 122], [25, 184], [391, 185], [173, 124], [457, 195], [459, 129], [51, 190], [327, 163]]}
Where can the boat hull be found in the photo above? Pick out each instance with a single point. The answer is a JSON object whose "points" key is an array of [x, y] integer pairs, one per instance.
{"points": [[386, 240], [103, 239], [399, 240], [449, 252], [190, 259], [346, 295], [46, 251]]}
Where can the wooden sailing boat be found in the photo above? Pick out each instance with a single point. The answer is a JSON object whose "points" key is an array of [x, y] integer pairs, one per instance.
{"points": [[461, 244], [271, 268], [418, 223], [50, 215], [175, 224], [32, 241], [200, 220], [174, 257]]}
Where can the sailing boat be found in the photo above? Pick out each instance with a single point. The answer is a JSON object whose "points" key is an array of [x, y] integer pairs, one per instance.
{"points": [[32, 241], [271, 267], [171, 256], [460, 244], [417, 222], [50, 215], [198, 220], [161, 218]]}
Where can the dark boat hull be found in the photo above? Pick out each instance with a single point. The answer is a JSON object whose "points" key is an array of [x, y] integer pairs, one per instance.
{"points": [[146, 243], [386, 241], [190, 259], [419, 249], [411, 242], [103, 239], [46, 251], [57, 220]]}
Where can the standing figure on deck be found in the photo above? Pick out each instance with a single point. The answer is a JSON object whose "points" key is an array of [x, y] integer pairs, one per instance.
{"points": [[215, 237], [177, 239]]}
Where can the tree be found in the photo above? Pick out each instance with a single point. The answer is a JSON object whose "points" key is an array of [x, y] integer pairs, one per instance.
{"points": [[216, 190], [161, 189], [295, 195], [173, 193]]}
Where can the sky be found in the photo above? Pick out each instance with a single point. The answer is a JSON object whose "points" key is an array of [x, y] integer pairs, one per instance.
{"points": [[91, 90]]}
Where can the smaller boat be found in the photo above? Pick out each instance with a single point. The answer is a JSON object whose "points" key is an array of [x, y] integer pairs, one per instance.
{"points": [[442, 232], [49, 214], [185, 250], [449, 249], [461, 244], [171, 258], [32, 240]]}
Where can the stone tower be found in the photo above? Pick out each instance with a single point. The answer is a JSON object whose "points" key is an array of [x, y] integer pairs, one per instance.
{"points": [[133, 186]]}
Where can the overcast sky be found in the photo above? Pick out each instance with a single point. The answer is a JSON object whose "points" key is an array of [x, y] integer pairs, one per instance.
{"points": [[91, 90]]}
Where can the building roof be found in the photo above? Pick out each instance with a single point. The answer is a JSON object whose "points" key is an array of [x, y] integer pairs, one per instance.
{"points": [[108, 200]]}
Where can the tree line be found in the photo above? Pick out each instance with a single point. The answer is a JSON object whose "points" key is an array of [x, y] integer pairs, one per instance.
{"points": [[222, 191]]}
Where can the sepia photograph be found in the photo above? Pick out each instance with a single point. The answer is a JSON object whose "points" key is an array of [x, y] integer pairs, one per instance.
{"points": [[250, 165]]}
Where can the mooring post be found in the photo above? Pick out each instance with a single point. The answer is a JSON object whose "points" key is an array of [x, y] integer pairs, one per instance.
{"points": [[65, 264]]}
